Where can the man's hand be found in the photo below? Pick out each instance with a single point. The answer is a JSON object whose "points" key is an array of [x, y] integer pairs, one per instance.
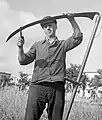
{"points": [[76, 29], [70, 16], [20, 42]]}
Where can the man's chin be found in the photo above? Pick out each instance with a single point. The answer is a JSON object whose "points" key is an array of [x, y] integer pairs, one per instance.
{"points": [[49, 35]]}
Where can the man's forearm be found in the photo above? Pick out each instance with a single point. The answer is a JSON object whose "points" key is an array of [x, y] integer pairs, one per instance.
{"points": [[75, 26], [21, 54]]}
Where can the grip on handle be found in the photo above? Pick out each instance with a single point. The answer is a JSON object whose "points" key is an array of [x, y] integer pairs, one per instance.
{"points": [[21, 32]]}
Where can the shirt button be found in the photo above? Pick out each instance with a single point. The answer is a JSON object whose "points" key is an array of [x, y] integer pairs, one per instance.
{"points": [[50, 78]]}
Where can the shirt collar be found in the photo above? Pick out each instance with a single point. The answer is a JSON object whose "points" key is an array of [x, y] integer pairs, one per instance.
{"points": [[45, 40]]}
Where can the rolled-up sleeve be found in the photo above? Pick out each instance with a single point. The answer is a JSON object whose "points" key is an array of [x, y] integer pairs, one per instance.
{"points": [[29, 56], [72, 42]]}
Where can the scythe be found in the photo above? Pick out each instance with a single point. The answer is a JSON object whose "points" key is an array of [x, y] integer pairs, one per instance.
{"points": [[83, 64], [83, 14]]}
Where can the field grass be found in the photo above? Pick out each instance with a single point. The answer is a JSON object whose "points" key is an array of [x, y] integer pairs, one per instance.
{"points": [[13, 103], [84, 111]]}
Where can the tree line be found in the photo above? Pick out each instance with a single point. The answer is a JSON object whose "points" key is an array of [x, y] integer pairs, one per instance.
{"points": [[71, 73]]}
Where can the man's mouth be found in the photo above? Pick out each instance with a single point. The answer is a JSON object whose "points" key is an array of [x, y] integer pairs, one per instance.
{"points": [[49, 32]]}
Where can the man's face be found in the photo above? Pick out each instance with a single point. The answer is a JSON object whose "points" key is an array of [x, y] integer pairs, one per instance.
{"points": [[50, 29]]}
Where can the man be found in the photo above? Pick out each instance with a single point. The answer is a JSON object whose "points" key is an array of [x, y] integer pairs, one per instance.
{"points": [[48, 82]]}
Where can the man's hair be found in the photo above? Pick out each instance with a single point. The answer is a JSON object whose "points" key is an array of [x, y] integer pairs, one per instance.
{"points": [[47, 21]]}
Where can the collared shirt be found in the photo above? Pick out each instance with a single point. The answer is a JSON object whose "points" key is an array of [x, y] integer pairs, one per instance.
{"points": [[50, 58]]}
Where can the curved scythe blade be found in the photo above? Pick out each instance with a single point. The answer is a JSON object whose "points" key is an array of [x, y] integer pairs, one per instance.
{"points": [[83, 14]]}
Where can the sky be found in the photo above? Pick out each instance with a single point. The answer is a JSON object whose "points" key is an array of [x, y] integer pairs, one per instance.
{"points": [[16, 13]]}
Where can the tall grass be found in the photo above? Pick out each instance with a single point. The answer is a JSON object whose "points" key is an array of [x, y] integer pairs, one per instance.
{"points": [[84, 111], [13, 103]]}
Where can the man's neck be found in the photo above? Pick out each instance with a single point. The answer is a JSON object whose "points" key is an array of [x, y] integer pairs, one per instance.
{"points": [[51, 39]]}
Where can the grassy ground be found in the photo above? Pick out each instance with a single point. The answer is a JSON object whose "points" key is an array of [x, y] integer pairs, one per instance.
{"points": [[13, 103], [84, 111]]}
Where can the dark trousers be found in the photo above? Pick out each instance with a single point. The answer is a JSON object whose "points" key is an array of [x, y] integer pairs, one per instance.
{"points": [[39, 95]]}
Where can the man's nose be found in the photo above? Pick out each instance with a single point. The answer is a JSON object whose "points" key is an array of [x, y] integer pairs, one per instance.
{"points": [[48, 27]]}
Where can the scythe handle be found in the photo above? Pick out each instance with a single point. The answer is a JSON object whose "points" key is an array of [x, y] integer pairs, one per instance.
{"points": [[21, 32], [84, 14], [83, 63]]}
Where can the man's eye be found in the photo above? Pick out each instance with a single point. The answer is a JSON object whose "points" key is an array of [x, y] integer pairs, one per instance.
{"points": [[47, 26]]}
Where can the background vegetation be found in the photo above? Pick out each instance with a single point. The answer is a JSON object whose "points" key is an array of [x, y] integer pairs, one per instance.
{"points": [[13, 97]]}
